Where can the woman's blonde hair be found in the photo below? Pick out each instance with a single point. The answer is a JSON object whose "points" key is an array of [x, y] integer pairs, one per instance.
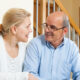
{"points": [[13, 17]]}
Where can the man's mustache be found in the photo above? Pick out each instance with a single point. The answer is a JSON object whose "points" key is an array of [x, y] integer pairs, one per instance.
{"points": [[49, 34]]}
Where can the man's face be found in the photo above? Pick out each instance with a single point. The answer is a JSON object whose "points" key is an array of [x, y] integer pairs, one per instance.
{"points": [[54, 30]]}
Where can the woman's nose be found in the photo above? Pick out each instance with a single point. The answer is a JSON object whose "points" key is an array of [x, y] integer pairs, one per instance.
{"points": [[30, 30]]}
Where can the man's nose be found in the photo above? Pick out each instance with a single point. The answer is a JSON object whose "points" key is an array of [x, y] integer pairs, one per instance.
{"points": [[47, 29]]}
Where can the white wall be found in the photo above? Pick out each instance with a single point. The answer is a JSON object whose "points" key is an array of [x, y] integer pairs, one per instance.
{"points": [[26, 4]]}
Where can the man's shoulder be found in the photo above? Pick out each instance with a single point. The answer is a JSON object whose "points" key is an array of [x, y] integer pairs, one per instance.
{"points": [[40, 37], [38, 41], [70, 43], [71, 47]]}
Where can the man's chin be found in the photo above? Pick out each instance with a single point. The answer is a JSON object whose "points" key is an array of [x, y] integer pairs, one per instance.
{"points": [[48, 38]]}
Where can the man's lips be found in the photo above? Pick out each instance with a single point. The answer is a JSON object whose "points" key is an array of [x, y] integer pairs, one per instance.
{"points": [[49, 34]]}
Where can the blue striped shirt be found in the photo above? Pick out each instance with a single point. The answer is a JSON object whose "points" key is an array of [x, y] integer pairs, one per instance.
{"points": [[48, 63]]}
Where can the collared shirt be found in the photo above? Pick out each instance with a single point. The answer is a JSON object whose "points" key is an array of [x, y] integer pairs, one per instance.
{"points": [[48, 63]]}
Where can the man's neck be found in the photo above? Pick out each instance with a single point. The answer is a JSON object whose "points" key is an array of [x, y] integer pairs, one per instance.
{"points": [[57, 43]]}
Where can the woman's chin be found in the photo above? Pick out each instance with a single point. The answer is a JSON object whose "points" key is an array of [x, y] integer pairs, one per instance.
{"points": [[24, 40]]}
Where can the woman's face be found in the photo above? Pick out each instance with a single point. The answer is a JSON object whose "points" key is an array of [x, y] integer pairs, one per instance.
{"points": [[23, 30]]}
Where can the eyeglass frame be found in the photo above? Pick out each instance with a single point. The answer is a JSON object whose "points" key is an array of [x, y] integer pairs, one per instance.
{"points": [[52, 27]]}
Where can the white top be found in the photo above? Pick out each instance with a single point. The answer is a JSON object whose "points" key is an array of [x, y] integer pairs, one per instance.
{"points": [[13, 64], [9, 64]]}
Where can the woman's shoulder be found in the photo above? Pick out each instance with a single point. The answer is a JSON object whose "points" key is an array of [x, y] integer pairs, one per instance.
{"points": [[1, 40], [1, 43], [1, 37]]}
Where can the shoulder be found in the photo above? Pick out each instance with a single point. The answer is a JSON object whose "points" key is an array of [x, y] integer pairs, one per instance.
{"points": [[39, 38], [1, 37], [38, 41], [1, 41], [69, 43], [1, 45], [36, 45], [71, 47], [71, 50]]}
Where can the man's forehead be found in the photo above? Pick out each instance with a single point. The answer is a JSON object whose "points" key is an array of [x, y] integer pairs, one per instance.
{"points": [[56, 15], [54, 19]]}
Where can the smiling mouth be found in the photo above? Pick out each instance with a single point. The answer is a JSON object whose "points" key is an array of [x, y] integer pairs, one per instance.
{"points": [[49, 34]]}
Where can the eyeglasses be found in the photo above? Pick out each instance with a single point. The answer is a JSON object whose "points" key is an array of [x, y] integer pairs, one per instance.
{"points": [[51, 27]]}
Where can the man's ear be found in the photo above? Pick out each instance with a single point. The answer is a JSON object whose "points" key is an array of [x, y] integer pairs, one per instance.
{"points": [[65, 30], [13, 29]]}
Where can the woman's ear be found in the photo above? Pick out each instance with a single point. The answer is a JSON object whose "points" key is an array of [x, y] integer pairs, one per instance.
{"points": [[13, 30], [65, 30]]}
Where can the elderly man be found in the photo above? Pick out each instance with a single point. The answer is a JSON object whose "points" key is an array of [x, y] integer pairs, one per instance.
{"points": [[52, 56]]}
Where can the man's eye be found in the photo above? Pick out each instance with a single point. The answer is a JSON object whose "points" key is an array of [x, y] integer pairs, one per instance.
{"points": [[52, 27]]}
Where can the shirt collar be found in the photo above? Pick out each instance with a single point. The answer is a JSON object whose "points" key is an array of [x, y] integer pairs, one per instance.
{"points": [[50, 45]]}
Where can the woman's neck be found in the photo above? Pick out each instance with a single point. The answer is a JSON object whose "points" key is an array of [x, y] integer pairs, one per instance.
{"points": [[11, 45], [10, 41]]}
